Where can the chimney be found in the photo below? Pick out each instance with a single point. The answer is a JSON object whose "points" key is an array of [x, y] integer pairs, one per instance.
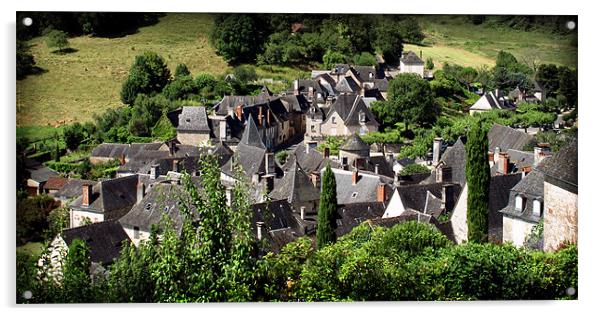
{"points": [[447, 196], [122, 159], [503, 163], [376, 169], [260, 226], [296, 87], [326, 152], [311, 93], [437, 150], [269, 163], [222, 130], [355, 177], [540, 151], [269, 182], [268, 116], [86, 194], [302, 211], [154, 172], [496, 154], [380, 193], [260, 116], [307, 148], [239, 112], [315, 179], [139, 192], [175, 166]]}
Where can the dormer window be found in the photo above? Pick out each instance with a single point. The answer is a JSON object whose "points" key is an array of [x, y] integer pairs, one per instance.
{"points": [[537, 208], [353, 195], [147, 207], [519, 203], [319, 95], [362, 117], [371, 75]]}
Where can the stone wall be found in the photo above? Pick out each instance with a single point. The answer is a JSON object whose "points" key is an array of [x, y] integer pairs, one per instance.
{"points": [[194, 139], [560, 217], [459, 217], [516, 230], [77, 217]]}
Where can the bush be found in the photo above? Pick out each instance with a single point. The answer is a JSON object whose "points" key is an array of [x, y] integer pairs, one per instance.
{"points": [[414, 169]]}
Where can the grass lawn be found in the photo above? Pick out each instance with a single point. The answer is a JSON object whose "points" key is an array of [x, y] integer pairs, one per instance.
{"points": [[32, 248], [455, 40]]}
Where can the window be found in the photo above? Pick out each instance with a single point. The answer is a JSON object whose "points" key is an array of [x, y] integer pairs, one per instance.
{"points": [[147, 207], [362, 117], [537, 208], [519, 203], [313, 128], [136, 232], [333, 120], [353, 195]]}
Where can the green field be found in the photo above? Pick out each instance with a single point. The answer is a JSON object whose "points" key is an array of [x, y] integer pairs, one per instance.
{"points": [[453, 39], [88, 81], [32, 248]]}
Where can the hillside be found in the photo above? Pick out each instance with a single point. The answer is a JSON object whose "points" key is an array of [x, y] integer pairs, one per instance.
{"points": [[454, 39], [87, 81]]}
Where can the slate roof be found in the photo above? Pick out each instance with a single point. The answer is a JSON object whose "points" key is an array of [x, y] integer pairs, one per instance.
{"points": [[363, 73], [309, 161], [410, 58], [110, 150], [348, 107], [251, 136], [232, 101], [454, 157], [55, 183], [351, 215], [104, 239], [530, 187], [340, 69], [193, 119], [364, 190], [162, 198], [295, 186], [488, 102], [381, 84], [298, 103], [41, 174], [72, 188], [518, 160], [415, 196], [223, 152], [113, 197], [251, 158], [355, 143], [562, 166], [347, 85], [507, 138], [499, 193]]}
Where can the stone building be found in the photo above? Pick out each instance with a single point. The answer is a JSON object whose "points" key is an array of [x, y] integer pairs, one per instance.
{"points": [[411, 63], [193, 127]]}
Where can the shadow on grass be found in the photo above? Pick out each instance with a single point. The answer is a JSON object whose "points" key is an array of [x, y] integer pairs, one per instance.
{"points": [[65, 51], [35, 70]]}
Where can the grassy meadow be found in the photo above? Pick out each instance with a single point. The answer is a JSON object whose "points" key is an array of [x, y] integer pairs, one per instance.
{"points": [[88, 80]]}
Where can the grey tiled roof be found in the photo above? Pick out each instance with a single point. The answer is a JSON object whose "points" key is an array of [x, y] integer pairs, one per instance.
{"points": [[348, 106], [295, 186], [108, 150], [499, 193], [507, 138], [162, 198], [415, 196], [72, 188], [351, 215], [298, 103], [364, 190], [112, 197], [193, 119], [41, 174], [251, 158], [347, 85], [562, 165], [410, 58], [531, 188], [104, 239], [251, 136], [355, 143], [310, 160]]}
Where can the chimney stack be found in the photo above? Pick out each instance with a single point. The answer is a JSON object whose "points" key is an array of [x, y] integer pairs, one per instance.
{"points": [[437, 150], [540, 151], [86, 194], [354, 177], [260, 116], [260, 226], [122, 159], [447, 196], [140, 191], [268, 116], [326, 152], [302, 211], [154, 172], [380, 193], [315, 179], [376, 168], [223, 130], [296, 87], [175, 166], [503, 163]]}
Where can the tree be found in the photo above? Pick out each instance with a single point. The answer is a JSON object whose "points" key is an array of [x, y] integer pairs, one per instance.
{"points": [[148, 75], [365, 59], [388, 41], [76, 283], [181, 71], [327, 212], [58, 219], [331, 58], [477, 177], [410, 101], [429, 64], [237, 37], [567, 85], [163, 130], [73, 135], [245, 74], [57, 39], [25, 62]]}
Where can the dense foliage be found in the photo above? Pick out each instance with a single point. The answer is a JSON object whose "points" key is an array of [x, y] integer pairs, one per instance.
{"points": [[149, 74], [477, 178], [327, 212], [32, 215]]}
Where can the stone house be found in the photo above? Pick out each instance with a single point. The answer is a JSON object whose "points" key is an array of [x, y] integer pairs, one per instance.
{"points": [[54, 184], [297, 188], [560, 204], [106, 200], [409, 62], [193, 128], [524, 209], [38, 175], [347, 115], [492, 100]]}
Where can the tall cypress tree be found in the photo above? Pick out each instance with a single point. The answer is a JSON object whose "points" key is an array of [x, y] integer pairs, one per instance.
{"points": [[477, 177], [327, 222]]}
